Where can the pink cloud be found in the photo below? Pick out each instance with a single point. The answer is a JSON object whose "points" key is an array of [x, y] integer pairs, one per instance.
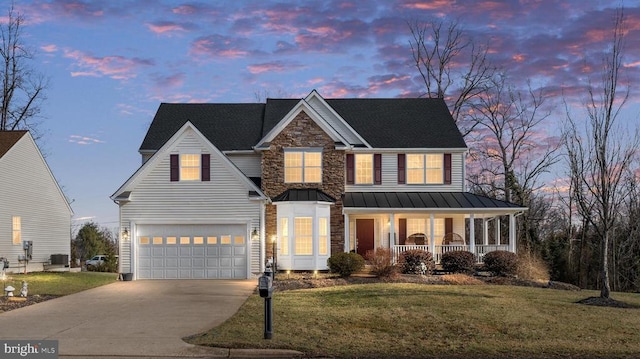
{"points": [[49, 48], [116, 67], [162, 27], [275, 66], [222, 46]]}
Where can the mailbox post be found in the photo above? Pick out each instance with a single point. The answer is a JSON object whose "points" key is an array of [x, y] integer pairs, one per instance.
{"points": [[265, 289]]}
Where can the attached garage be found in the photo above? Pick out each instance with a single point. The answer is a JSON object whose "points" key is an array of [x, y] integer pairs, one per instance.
{"points": [[216, 251]]}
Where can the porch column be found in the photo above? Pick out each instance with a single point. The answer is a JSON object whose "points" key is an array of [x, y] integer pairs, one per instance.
{"points": [[497, 239], [346, 233], [432, 234], [392, 230], [472, 233], [512, 233], [485, 231]]}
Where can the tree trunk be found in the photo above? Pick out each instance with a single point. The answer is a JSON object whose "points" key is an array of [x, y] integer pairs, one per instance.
{"points": [[605, 291]]}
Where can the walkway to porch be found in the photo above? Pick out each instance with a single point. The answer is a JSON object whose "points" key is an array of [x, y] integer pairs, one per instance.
{"points": [[478, 250]]}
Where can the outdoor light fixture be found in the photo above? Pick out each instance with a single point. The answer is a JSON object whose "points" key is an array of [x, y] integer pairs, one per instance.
{"points": [[254, 234], [125, 234]]}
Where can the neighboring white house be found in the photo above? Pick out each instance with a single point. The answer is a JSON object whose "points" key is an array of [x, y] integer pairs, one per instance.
{"points": [[32, 206], [224, 186]]}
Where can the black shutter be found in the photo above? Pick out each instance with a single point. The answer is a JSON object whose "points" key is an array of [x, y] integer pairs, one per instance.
{"points": [[205, 167], [175, 168], [401, 168], [447, 168], [350, 168], [377, 168], [402, 231], [448, 225]]}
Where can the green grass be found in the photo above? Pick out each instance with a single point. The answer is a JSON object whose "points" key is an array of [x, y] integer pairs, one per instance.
{"points": [[456, 321], [58, 283]]}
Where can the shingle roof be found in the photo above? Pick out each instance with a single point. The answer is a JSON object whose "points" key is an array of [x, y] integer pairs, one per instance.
{"points": [[432, 200], [8, 139], [236, 126], [401, 122], [383, 123], [301, 195]]}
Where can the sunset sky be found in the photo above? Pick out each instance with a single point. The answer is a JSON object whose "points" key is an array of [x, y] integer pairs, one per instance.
{"points": [[111, 63]]}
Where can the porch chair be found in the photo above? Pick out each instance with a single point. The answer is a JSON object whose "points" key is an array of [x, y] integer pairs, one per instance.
{"points": [[453, 239]]}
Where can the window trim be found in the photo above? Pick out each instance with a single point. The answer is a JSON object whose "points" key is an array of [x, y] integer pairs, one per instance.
{"points": [[16, 230], [303, 165], [425, 169]]}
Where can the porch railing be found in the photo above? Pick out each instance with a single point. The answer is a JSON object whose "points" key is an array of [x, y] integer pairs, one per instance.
{"points": [[479, 250]]}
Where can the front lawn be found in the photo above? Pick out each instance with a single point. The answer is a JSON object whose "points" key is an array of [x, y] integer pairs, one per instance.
{"points": [[57, 283], [405, 320]]}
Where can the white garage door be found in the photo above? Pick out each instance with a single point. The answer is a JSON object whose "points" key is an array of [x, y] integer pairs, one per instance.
{"points": [[192, 252]]}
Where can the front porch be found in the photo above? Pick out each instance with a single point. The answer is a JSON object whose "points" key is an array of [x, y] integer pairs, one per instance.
{"points": [[437, 222], [479, 250]]}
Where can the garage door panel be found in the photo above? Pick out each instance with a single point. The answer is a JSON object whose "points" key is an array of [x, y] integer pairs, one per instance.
{"points": [[192, 251], [171, 251], [185, 263], [168, 274], [170, 263], [239, 262], [225, 262], [198, 263], [198, 252], [157, 251]]}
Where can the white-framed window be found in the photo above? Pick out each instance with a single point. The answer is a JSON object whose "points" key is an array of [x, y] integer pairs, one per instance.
{"points": [[438, 227], [303, 166], [190, 167], [16, 230], [415, 226], [323, 236], [303, 232], [284, 236], [425, 168], [363, 168]]}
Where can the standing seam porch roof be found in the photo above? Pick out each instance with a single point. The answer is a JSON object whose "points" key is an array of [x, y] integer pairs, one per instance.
{"points": [[426, 200]]}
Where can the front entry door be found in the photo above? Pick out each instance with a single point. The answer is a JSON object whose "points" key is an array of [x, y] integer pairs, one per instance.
{"points": [[364, 236]]}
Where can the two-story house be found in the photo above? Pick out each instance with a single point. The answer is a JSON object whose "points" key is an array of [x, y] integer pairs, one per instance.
{"points": [[224, 186]]}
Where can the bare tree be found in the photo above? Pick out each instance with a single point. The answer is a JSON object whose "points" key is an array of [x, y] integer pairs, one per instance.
{"points": [[438, 49], [600, 156], [22, 88], [510, 149]]}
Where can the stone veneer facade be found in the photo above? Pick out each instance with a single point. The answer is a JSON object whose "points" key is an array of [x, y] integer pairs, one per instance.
{"points": [[302, 131]]}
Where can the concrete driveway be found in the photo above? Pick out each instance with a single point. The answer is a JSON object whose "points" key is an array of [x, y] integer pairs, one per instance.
{"points": [[137, 318]]}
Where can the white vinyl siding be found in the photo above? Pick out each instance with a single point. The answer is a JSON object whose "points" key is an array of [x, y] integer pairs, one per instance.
{"points": [[390, 178], [249, 164], [223, 200], [29, 191]]}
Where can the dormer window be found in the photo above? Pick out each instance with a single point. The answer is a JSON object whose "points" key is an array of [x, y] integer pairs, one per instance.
{"points": [[303, 166]]}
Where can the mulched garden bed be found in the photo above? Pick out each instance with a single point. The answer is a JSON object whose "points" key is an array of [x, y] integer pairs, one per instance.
{"points": [[6, 304]]}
